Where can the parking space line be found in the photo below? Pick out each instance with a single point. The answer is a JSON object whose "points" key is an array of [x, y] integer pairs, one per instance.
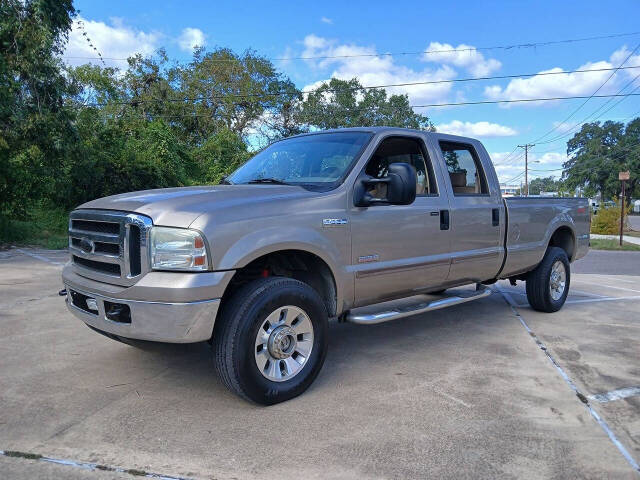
{"points": [[605, 299], [625, 453], [608, 286], [87, 465], [39, 257], [618, 394]]}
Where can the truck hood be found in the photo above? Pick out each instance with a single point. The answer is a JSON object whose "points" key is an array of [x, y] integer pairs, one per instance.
{"points": [[179, 207]]}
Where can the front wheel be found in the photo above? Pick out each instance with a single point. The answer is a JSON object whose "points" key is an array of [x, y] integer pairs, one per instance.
{"points": [[548, 283], [271, 340]]}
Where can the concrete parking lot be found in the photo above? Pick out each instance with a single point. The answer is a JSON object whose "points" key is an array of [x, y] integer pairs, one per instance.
{"points": [[489, 389]]}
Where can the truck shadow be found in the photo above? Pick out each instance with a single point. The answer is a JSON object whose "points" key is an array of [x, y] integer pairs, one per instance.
{"points": [[360, 352]]}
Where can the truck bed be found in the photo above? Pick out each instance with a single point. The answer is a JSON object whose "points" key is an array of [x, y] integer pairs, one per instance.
{"points": [[531, 221]]}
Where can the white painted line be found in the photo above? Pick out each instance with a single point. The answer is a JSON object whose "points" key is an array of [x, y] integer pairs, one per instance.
{"points": [[605, 299], [87, 465], [625, 453], [615, 394], [609, 286], [39, 257]]}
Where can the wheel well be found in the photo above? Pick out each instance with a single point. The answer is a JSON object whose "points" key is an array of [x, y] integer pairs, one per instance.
{"points": [[298, 264], [563, 238]]}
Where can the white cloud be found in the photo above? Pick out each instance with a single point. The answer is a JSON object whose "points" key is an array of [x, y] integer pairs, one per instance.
{"points": [[568, 84], [191, 38], [463, 56], [326, 20], [508, 166], [476, 129], [371, 69], [112, 41]]}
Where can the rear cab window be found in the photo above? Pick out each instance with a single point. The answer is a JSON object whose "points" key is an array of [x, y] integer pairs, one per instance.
{"points": [[465, 169]]}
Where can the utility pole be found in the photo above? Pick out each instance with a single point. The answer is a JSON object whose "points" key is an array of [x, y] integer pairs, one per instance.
{"points": [[526, 147]]}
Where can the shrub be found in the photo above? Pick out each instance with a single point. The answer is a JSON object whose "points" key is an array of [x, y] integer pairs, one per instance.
{"points": [[607, 221]]}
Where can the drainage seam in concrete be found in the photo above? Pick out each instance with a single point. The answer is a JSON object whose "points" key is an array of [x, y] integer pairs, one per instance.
{"points": [[87, 465], [507, 297], [40, 257]]}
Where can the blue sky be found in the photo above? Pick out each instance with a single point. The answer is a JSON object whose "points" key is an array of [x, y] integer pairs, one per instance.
{"points": [[279, 29]]}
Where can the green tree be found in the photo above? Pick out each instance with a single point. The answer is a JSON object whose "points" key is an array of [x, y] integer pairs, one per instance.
{"points": [[595, 158], [344, 103], [36, 130], [547, 184]]}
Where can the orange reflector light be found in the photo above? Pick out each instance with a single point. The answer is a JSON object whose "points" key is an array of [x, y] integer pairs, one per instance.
{"points": [[198, 261], [198, 242]]}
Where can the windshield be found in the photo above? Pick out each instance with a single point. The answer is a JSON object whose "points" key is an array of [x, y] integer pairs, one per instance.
{"points": [[311, 160]]}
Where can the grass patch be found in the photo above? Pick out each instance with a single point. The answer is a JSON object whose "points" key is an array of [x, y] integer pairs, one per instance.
{"points": [[46, 228], [610, 244]]}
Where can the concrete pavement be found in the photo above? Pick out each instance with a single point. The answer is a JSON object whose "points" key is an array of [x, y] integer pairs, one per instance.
{"points": [[465, 392]]}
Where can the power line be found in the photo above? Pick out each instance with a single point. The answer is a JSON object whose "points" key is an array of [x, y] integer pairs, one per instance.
{"points": [[593, 95], [520, 100], [421, 52], [584, 120], [428, 105], [389, 85]]}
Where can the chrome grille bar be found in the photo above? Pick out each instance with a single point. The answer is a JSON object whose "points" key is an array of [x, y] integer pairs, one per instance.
{"points": [[91, 232]]}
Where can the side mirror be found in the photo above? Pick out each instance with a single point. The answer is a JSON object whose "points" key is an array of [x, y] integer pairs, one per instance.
{"points": [[400, 182]]}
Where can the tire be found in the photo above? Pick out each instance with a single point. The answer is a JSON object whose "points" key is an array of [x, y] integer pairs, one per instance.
{"points": [[544, 293], [255, 313]]}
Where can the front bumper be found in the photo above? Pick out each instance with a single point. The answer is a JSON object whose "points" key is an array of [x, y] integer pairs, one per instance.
{"points": [[155, 321]]}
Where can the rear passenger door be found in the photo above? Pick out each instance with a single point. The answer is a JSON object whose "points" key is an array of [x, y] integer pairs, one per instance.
{"points": [[476, 214]]}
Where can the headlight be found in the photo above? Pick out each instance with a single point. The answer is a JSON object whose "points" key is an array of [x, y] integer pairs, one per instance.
{"points": [[178, 249]]}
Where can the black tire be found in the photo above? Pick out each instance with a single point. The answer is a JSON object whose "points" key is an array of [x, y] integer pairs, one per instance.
{"points": [[235, 336], [539, 280]]}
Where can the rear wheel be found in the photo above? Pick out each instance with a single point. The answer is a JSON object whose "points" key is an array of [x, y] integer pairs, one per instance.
{"points": [[548, 285], [271, 339]]}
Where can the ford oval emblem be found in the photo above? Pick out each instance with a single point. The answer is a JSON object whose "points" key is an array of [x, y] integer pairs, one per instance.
{"points": [[86, 245]]}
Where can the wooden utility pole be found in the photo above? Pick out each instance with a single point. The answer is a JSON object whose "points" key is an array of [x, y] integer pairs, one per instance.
{"points": [[623, 177], [526, 147]]}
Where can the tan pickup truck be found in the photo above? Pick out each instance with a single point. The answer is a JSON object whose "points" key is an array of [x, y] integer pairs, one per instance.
{"points": [[311, 229]]}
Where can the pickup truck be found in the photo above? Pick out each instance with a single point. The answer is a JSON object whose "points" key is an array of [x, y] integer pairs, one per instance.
{"points": [[311, 229]]}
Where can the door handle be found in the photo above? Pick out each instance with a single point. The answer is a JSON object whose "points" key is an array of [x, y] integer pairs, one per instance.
{"points": [[495, 217], [444, 219], [434, 214]]}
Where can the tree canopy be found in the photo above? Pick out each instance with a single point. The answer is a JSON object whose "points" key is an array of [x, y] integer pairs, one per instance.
{"points": [[70, 134], [598, 152]]}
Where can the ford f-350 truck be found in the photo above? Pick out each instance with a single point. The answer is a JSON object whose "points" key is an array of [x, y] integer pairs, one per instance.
{"points": [[310, 229]]}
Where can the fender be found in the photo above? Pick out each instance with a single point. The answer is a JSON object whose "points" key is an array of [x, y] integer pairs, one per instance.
{"points": [[264, 241]]}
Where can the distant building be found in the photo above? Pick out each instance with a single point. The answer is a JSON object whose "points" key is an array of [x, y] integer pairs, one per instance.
{"points": [[508, 190], [549, 194]]}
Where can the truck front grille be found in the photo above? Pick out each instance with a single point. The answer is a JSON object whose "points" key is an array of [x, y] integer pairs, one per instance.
{"points": [[109, 246]]}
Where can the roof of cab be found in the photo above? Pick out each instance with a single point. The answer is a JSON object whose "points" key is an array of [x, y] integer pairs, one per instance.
{"points": [[380, 130]]}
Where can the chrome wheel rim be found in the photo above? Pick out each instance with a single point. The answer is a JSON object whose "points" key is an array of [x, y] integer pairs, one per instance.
{"points": [[558, 280], [283, 343]]}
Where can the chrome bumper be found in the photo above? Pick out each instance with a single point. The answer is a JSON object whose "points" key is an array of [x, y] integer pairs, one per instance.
{"points": [[155, 321]]}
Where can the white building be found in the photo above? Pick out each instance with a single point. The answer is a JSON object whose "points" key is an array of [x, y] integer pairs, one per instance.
{"points": [[509, 190]]}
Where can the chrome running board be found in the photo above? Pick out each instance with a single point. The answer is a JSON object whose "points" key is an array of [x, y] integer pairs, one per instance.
{"points": [[407, 311]]}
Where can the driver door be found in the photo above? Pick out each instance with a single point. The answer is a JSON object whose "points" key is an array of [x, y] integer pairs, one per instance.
{"points": [[400, 249]]}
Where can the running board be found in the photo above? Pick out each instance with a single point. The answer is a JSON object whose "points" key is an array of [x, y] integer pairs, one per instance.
{"points": [[407, 311]]}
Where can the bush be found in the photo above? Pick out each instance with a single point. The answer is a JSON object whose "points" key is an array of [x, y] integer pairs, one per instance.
{"points": [[607, 221], [42, 227]]}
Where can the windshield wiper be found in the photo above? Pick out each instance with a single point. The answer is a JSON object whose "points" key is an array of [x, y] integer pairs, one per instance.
{"points": [[274, 181], [225, 181]]}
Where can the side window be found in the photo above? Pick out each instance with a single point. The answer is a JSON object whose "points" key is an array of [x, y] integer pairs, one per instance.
{"points": [[405, 150], [465, 169]]}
